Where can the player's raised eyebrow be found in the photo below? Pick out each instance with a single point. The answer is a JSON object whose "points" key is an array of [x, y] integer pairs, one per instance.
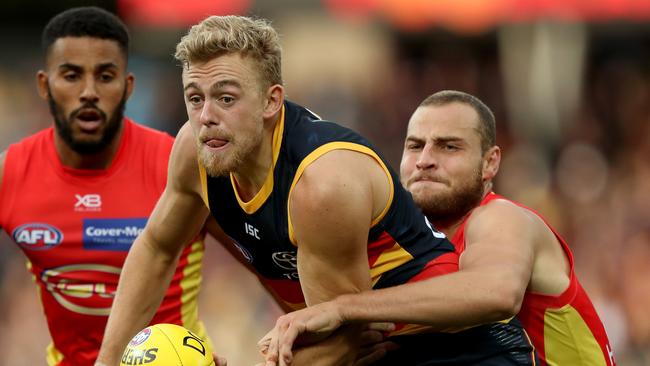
{"points": [[216, 86]]}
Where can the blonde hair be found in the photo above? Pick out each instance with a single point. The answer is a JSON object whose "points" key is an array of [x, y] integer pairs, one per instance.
{"points": [[219, 35]]}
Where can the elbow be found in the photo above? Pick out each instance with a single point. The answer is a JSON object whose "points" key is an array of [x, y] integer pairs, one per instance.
{"points": [[507, 300]]}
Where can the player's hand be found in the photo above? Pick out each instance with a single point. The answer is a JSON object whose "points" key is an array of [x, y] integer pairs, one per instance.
{"points": [[219, 361], [313, 324], [304, 326]]}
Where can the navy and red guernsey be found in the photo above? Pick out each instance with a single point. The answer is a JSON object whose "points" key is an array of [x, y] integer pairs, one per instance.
{"points": [[402, 244]]}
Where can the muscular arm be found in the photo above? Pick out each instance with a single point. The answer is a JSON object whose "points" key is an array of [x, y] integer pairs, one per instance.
{"points": [[495, 270], [331, 211], [493, 275], [332, 207], [149, 266]]}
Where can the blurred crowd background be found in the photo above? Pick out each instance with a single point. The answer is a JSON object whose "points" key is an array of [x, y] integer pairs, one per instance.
{"points": [[568, 81]]}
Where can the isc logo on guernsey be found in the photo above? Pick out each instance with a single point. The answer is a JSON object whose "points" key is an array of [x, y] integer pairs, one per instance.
{"points": [[37, 236]]}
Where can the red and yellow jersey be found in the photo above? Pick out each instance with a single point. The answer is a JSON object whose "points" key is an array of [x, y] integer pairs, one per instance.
{"points": [[76, 227], [565, 329]]}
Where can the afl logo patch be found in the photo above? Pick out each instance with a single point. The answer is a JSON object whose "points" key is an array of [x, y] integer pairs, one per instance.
{"points": [[140, 337], [37, 236]]}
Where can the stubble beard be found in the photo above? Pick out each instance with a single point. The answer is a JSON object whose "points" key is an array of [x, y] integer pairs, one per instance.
{"points": [[64, 126], [221, 165], [451, 205]]}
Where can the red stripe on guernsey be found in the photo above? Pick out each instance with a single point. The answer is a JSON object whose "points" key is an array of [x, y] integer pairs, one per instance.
{"points": [[379, 246], [443, 264], [288, 290]]}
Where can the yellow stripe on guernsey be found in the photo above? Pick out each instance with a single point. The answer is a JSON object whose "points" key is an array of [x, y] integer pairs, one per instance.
{"points": [[564, 330], [387, 260], [53, 356], [264, 193], [204, 185], [338, 145], [190, 285], [256, 202]]}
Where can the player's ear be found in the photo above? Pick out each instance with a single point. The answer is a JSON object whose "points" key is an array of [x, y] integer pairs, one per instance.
{"points": [[274, 98], [42, 84], [491, 161], [130, 84]]}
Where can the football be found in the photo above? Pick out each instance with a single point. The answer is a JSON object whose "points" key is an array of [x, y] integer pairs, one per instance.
{"points": [[167, 345]]}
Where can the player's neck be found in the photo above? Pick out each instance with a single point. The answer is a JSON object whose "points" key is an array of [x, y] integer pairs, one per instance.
{"points": [[251, 175], [73, 159]]}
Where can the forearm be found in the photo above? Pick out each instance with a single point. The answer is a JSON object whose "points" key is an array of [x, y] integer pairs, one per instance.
{"points": [[451, 301], [145, 277]]}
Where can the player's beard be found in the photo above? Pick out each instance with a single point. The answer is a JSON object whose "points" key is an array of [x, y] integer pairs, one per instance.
{"points": [[64, 125], [453, 204], [222, 164]]}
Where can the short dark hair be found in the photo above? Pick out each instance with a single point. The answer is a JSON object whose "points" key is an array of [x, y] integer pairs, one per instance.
{"points": [[87, 21], [487, 124]]}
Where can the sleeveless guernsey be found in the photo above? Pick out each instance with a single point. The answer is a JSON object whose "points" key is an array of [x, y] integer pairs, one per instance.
{"points": [[75, 228]]}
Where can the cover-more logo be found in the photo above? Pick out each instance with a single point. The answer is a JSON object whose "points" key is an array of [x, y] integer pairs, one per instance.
{"points": [[88, 202], [111, 234]]}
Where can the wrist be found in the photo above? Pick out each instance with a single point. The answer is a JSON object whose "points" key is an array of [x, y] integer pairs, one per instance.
{"points": [[343, 308]]}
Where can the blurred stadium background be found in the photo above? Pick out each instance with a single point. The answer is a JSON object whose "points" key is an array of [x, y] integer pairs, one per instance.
{"points": [[568, 80]]}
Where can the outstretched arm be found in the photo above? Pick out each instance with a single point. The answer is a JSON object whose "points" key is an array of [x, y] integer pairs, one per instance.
{"points": [[150, 264], [494, 273]]}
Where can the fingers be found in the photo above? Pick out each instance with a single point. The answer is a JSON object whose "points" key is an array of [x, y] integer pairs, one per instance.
{"points": [[286, 340], [220, 361], [270, 343], [264, 342]]}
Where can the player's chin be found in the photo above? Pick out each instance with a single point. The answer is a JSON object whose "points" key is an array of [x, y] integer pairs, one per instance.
{"points": [[427, 188]]}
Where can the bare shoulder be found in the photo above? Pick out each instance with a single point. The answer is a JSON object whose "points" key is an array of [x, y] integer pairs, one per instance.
{"points": [[183, 163], [334, 191], [501, 215], [335, 176]]}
